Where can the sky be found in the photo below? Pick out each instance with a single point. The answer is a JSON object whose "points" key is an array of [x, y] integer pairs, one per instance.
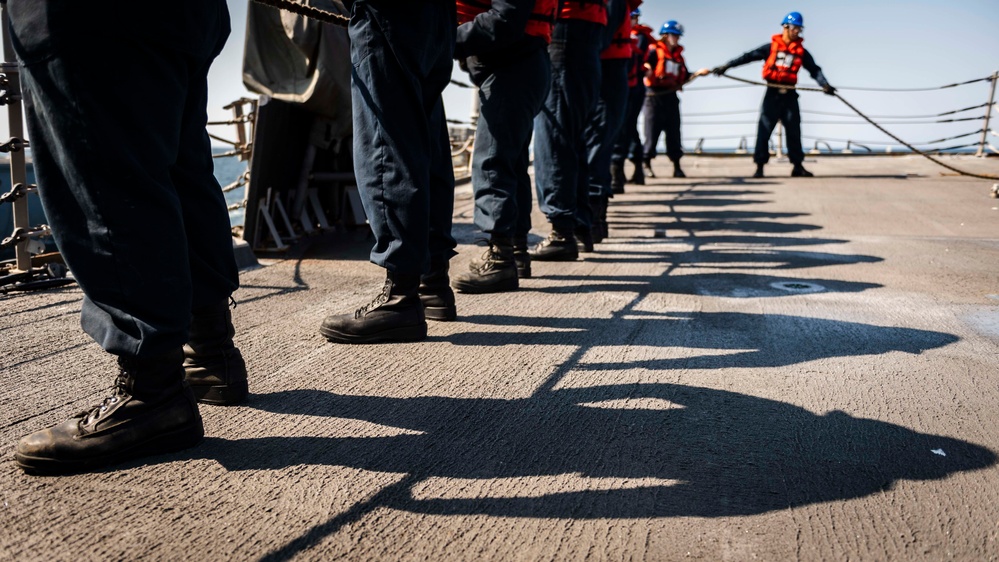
{"points": [[868, 44]]}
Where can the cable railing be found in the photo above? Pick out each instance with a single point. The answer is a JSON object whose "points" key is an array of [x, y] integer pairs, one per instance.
{"points": [[896, 145]]}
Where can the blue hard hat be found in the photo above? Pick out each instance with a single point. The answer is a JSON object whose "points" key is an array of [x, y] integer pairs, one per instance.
{"points": [[793, 18], [636, 13], [671, 27]]}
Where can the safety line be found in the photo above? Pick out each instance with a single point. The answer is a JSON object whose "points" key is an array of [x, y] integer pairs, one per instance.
{"points": [[307, 11], [882, 142], [879, 127]]}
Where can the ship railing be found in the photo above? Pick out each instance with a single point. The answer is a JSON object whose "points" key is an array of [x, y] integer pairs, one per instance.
{"points": [[983, 124], [33, 267]]}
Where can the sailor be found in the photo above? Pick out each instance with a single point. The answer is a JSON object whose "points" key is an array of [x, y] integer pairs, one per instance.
{"points": [[629, 142], [608, 115], [402, 54], [783, 57], [666, 73], [125, 175], [560, 163], [503, 46]]}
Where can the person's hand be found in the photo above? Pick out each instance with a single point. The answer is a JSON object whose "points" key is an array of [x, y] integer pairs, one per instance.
{"points": [[703, 72], [719, 70], [829, 90]]}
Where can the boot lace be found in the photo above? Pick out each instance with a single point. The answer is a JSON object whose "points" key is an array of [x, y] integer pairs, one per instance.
{"points": [[379, 300], [118, 393]]}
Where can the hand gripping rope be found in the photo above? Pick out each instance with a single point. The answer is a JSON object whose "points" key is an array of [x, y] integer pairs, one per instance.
{"points": [[879, 127]]}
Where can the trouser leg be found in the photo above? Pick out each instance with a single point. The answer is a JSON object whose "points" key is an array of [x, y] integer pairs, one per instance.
{"points": [[769, 115], [401, 54], [612, 107], [629, 143], [559, 154], [654, 110], [791, 117], [510, 98], [129, 192], [671, 121]]}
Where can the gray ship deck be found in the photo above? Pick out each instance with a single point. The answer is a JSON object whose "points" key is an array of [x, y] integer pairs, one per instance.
{"points": [[763, 369]]}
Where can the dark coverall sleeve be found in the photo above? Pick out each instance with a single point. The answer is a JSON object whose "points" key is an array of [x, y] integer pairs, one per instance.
{"points": [[809, 64], [491, 31], [760, 53]]}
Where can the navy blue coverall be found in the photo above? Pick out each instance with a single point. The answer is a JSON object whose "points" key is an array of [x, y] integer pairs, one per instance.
{"points": [[123, 160], [560, 163], [402, 54], [662, 114], [608, 114], [629, 143], [513, 73], [779, 105]]}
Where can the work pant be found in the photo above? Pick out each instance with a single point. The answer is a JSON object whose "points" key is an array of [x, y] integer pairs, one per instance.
{"points": [[510, 96], [662, 113], [560, 163], [779, 105], [402, 56], [605, 124], [115, 101], [629, 143]]}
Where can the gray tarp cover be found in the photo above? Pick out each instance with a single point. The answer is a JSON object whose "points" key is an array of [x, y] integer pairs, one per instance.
{"points": [[298, 60]]}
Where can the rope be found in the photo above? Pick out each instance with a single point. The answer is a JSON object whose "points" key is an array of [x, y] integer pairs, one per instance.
{"points": [[879, 127], [916, 89], [836, 114], [914, 149], [307, 11]]}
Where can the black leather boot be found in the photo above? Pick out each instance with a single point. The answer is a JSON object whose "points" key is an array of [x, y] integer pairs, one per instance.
{"points": [[436, 294], [638, 176], [799, 171], [647, 165], [395, 315], [617, 176], [598, 204], [759, 171], [521, 257], [150, 411], [494, 272], [677, 171], [559, 246], [584, 239], [213, 366]]}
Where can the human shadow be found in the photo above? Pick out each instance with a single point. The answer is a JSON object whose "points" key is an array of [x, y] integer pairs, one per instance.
{"points": [[737, 259], [730, 285], [616, 451], [751, 340]]}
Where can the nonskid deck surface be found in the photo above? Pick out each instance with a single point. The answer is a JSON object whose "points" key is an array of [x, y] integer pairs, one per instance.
{"points": [[747, 369]]}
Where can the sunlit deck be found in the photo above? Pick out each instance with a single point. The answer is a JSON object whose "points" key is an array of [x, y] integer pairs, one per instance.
{"points": [[764, 369]]}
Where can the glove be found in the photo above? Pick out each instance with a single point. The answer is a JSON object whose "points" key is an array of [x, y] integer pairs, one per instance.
{"points": [[719, 70], [829, 90]]}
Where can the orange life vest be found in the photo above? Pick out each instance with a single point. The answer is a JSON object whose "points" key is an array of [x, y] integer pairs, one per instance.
{"points": [[784, 61], [586, 10], [670, 71], [620, 47], [644, 31], [539, 24], [637, 65]]}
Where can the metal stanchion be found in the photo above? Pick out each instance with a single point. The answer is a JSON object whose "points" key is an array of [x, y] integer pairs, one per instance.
{"points": [[28, 270], [988, 115]]}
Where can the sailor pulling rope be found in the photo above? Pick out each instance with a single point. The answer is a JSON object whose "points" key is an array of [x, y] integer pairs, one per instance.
{"points": [[871, 121], [337, 19]]}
